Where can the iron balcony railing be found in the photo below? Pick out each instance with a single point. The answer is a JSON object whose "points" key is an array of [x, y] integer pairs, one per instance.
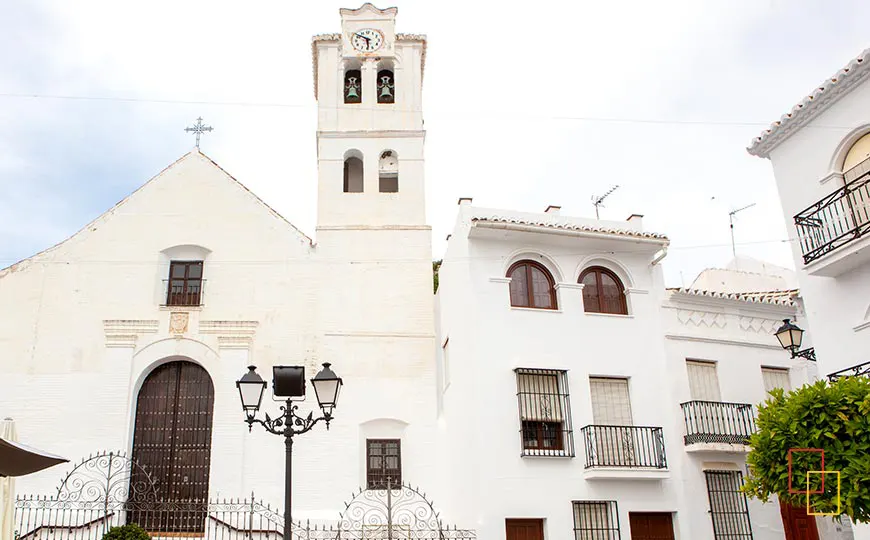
{"points": [[854, 371], [624, 446], [834, 221], [183, 293], [717, 422]]}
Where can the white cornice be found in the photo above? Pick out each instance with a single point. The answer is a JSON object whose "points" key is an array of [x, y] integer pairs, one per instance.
{"points": [[735, 342], [372, 134]]}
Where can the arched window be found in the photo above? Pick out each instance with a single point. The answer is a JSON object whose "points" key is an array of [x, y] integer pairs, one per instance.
{"points": [[388, 172], [856, 162], [531, 286], [353, 174], [386, 86], [353, 86], [603, 292]]}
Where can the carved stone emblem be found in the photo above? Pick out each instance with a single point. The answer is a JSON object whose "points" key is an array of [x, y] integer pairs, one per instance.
{"points": [[178, 322]]}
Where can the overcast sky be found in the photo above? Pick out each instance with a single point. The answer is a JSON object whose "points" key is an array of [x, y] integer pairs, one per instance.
{"points": [[526, 104]]}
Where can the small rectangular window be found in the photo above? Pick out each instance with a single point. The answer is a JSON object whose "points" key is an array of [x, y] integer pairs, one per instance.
{"points": [[383, 463], [775, 378], [728, 507], [596, 520], [703, 381], [545, 416], [184, 286]]}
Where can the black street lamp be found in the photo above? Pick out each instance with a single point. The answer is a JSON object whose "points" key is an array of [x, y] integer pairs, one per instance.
{"points": [[790, 336], [288, 382]]}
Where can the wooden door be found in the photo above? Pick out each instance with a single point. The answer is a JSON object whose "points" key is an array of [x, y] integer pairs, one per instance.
{"points": [[798, 525], [524, 529], [651, 526], [172, 443]]}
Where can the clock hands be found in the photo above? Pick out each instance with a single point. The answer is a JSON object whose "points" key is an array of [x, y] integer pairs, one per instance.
{"points": [[368, 40]]}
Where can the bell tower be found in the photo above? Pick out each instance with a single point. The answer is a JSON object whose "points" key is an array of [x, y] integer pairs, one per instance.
{"points": [[368, 83], [371, 222]]}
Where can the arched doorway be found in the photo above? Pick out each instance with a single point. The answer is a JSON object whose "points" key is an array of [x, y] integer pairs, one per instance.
{"points": [[172, 442]]}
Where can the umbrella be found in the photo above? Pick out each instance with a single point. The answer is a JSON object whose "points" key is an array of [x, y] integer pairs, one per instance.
{"points": [[7, 487], [17, 459]]}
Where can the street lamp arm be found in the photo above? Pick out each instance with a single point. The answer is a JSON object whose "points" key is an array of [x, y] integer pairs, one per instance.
{"points": [[289, 423]]}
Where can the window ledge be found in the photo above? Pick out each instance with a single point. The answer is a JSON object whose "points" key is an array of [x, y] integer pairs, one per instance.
{"points": [[624, 473], [717, 447], [535, 309], [542, 454], [164, 307], [613, 315]]}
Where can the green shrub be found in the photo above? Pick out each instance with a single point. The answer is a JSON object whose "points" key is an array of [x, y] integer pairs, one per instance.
{"points": [[834, 417], [127, 532]]}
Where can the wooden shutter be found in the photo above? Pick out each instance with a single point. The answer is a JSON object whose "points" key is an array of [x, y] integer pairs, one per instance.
{"points": [[524, 529], [611, 405], [775, 378], [703, 381]]}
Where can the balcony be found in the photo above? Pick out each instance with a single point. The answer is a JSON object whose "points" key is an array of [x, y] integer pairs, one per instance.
{"points": [[183, 293], [629, 452], [717, 426], [841, 218]]}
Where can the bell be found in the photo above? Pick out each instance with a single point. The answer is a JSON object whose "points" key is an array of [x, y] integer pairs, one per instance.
{"points": [[386, 93], [351, 92]]}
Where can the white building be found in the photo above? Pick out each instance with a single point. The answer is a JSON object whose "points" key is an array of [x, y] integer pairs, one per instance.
{"points": [[594, 398], [552, 388], [819, 152]]}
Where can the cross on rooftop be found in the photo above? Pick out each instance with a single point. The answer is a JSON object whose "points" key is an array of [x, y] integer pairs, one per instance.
{"points": [[199, 128]]}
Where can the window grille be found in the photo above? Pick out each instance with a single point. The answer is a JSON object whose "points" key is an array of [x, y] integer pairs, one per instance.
{"points": [[184, 287], [729, 509], [384, 461], [545, 412], [596, 520]]}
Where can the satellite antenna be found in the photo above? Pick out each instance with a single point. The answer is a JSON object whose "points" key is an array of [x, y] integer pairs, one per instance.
{"points": [[731, 222], [598, 201]]}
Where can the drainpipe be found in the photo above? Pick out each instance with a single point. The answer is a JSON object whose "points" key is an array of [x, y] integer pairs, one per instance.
{"points": [[660, 255]]}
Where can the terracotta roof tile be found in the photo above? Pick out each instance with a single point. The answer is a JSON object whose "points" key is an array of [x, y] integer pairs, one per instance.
{"points": [[569, 226]]}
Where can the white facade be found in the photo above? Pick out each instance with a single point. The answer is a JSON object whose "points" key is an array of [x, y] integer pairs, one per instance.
{"points": [[819, 157], [484, 339]]}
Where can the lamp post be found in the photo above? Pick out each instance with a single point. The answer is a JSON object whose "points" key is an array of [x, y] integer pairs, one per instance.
{"points": [[288, 382], [790, 336]]}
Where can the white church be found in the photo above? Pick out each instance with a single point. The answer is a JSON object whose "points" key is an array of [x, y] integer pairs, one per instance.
{"points": [[551, 388]]}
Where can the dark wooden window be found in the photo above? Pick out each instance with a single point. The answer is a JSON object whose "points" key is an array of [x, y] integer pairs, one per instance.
{"points": [[524, 529], [728, 507], [651, 526], [531, 286], [353, 86], [172, 442], [596, 520], [384, 461], [545, 413], [185, 283], [603, 292]]}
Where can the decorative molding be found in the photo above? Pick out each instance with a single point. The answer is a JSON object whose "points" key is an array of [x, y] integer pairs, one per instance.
{"points": [[835, 175], [611, 315], [700, 319], [758, 325], [123, 333], [566, 285], [228, 328], [737, 342], [559, 224], [500, 279], [179, 321], [376, 134], [632, 290]]}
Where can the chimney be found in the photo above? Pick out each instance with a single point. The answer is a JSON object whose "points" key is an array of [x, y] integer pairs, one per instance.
{"points": [[464, 200], [636, 220], [553, 209]]}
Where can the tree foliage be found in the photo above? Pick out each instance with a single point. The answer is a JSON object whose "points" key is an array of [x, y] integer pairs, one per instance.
{"points": [[834, 417], [126, 532], [436, 267]]}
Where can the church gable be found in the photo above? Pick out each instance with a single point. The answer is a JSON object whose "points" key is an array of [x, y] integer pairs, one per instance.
{"points": [[188, 202]]}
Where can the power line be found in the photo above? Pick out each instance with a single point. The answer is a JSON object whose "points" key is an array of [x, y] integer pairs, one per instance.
{"points": [[255, 104]]}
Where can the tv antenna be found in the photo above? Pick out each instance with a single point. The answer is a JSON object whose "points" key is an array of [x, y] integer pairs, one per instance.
{"points": [[731, 222], [598, 201]]}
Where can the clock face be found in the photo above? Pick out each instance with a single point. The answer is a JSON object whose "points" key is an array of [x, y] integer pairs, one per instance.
{"points": [[367, 40]]}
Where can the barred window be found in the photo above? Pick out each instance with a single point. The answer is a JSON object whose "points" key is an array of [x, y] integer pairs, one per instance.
{"points": [[596, 520], [728, 507], [185, 283], [545, 412], [383, 462]]}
